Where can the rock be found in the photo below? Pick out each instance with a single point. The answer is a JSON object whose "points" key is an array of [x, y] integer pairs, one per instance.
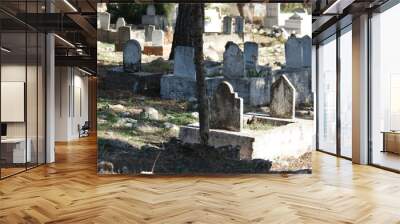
{"points": [[126, 114], [150, 113], [172, 128], [125, 123], [195, 114], [118, 108]]}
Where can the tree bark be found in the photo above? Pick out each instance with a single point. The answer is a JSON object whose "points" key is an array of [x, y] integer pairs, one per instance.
{"points": [[182, 29], [197, 35]]}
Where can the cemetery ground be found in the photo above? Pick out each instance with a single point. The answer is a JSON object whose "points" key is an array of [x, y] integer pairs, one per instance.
{"points": [[127, 122], [259, 89]]}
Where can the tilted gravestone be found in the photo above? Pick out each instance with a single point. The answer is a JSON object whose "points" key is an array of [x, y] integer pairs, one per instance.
{"points": [[184, 62], [233, 63], [132, 56], [148, 32], [226, 109], [227, 25], [120, 23], [104, 20], [251, 55], [283, 99], [239, 24], [157, 38]]}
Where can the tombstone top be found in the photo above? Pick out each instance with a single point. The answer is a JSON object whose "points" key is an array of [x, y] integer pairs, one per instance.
{"points": [[157, 37], [132, 56], [120, 22], [226, 109], [151, 10], [233, 62], [283, 98], [184, 62]]}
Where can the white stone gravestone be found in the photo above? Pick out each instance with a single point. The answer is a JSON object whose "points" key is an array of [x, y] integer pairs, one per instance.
{"points": [[157, 38], [120, 23], [104, 20]]}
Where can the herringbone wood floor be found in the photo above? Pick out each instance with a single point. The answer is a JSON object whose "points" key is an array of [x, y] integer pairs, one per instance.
{"points": [[70, 191]]}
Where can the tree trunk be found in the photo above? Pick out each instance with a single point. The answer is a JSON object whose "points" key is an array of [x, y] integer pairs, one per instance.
{"points": [[182, 29], [189, 29], [197, 35]]}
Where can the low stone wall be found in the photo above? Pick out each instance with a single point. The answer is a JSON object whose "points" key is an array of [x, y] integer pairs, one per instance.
{"points": [[219, 138], [178, 88]]}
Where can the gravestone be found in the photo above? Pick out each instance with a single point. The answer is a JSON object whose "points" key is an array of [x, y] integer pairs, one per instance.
{"points": [[272, 15], [124, 34], [150, 10], [184, 62], [157, 38], [148, 32], [233, 62], [104, 20], [226, 109], [298, 52], [294, 24], [227, 25], [283, 99], [251, 56], [307, 47], [120, 23], [132, 56], [239, 24], [294, 52]]}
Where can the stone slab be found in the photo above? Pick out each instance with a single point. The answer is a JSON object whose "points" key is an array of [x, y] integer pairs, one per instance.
{"points": [[132, 56], [184, 62], [233, 62], [218, 138]]}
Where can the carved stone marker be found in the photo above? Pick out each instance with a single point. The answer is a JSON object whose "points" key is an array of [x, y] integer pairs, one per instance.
{"points": [[184, 62], [298, 52], [157, 37], [226, 109], [120, 23], [251, 55], [283, 99], [233, 61], [227, 25], [239, 25], [132, 56], [104, 20], [148, 32], [124, 34], [151, 10]]}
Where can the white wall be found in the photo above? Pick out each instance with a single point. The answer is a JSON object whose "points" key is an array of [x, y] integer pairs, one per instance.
{"points": [[71, 87]]}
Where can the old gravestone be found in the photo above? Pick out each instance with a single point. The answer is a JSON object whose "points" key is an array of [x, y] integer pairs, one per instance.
{"points": [[251, 56], [233, 62], [306, 45], [124, 34], [294, 52], [184, 62], [132, 56], [157, 38], [239, 24], [120, 23], [226, 109], [104, 20], [283, 99], [227, 25], [151, 10], [148, 32]]}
